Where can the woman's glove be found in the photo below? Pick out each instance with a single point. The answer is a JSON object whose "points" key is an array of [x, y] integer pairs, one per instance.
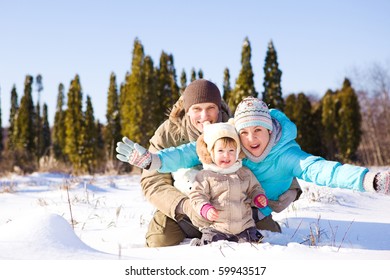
{"points": [[378, 182], [136, 155]]}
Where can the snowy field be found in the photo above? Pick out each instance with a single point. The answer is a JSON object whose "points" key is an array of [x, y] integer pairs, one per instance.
{"points": [[110, 219]]}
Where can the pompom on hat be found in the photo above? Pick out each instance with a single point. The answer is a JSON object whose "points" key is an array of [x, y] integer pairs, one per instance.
{"points": [[252, 111], [201, 91]]}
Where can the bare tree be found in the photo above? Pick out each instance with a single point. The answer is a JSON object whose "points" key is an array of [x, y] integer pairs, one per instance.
{"points": [[374, 98]]}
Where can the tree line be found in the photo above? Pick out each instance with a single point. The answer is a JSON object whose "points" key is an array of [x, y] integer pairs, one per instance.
{"points": [[343, 125]]}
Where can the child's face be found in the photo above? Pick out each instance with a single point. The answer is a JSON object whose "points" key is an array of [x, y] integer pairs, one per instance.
{"points": [[225, 155], [254, 139]]}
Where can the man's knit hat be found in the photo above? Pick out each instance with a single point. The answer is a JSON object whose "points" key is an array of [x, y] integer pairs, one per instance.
{"points": [[252, 111], [215, 131], [201, 91]]}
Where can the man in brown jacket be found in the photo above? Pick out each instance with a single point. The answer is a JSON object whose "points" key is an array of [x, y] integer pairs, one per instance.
{"points": [[200, 102]]}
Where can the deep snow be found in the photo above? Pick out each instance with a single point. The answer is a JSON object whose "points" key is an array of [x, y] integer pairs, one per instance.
{"points": [[111, 217]]}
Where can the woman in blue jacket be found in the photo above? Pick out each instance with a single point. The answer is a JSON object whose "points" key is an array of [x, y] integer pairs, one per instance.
{"points": [[272, 154]]}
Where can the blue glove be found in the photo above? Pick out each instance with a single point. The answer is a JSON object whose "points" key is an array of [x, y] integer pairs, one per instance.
{"points": [[133, 153]]}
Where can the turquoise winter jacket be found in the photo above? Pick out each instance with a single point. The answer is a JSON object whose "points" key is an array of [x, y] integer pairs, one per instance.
{"points": [[276, 171]]}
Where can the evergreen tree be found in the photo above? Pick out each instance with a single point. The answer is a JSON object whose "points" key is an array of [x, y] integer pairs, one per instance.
{"points": [[38, 132], [46, 137], [39, 86], [183, 81], [113, 128], [24, 132], [12, 119], [300, 111], [329, 121], [306, 137], [200, 74], [132, 108], [244, 85], [167, 89], [88, 140], [227, 89], [24, 139], [152, 117], [349, 130], [318, 131], [289, 108], [100, 145], [174, 86], [74, 124], [38, 120], [193, 75], [122, 98], [272, 94], [59, 131]]}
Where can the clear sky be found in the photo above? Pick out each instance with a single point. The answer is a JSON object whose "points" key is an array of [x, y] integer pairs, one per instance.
{"points": [[318, 42]]}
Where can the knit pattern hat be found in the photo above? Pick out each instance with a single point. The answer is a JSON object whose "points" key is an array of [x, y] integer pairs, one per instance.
{"points": [[201, 91], [215, 131], [252, 111]]}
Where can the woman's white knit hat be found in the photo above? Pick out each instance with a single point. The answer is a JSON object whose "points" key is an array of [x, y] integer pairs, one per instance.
{"points": [[252, 111]]}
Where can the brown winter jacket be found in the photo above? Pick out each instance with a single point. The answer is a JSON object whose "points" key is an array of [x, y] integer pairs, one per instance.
{"points": [[231, 194], [158, 187]]}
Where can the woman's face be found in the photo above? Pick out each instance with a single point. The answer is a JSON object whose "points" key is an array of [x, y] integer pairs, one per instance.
{"points": [[254, 139]]}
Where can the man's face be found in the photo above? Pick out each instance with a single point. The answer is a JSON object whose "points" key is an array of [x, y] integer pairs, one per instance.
{"points": [[203, 112]]}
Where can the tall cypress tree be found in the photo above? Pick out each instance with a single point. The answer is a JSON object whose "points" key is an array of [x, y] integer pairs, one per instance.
{"points": [[38, 120], [167, 88], [306, 137], [74, 123], [174, 86], [88, 140], [300, 111], [349, 130], [200, 74], [244, 85], [38, 132], [183, 81], [59, 130], [329, 121], [289, 108], [193, 75], [132, 109], [12, 119], [100, 147], [272, 94], [24, 139], [113, 128], [46, 137], [227, 89], [151, 118], [24, 130]]}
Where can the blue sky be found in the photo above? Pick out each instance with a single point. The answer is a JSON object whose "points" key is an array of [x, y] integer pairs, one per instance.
{"points": [[318, 42]]}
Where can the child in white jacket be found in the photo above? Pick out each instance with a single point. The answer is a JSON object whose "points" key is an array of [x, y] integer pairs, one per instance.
{"points": [[224, 192]]}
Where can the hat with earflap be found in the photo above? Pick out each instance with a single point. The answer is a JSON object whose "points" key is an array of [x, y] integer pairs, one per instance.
{"points": [[211, 133], [252, 111]]}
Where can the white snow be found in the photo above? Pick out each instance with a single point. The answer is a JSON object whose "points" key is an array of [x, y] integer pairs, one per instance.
{"points": [[111, 218]]}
